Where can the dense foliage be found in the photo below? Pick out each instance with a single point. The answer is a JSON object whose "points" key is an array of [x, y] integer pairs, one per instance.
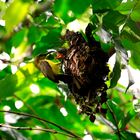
{"points": [[36, 108]]}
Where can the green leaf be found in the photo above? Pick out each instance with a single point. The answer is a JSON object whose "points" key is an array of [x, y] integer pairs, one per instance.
{"points": [[104, 5], [6, 71], [8, 102], [134, 26], [131, 8], [15, 13], [105, 136], [125, 8], [2, 8], [2, 31], [41, 136], [126, 134], [68, 10], [34, 34], [5, 136], [114, 24], [73, 117], [50, 41], [134, 61], [136, 105], [135, 13], [41, 101], [75, 4], [18, 37], [116, 73], [130, 115], [121, 60], [27, 71], [1, 114], [128, 34], [131, 80], [8, 86], [115, 114], [61, 8]]}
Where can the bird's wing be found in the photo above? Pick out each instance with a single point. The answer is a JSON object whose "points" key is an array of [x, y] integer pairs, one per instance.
{"points": [[46, 69]]}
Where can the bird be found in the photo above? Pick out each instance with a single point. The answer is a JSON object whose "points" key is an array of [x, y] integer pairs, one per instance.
{"points": [[50, 69]]}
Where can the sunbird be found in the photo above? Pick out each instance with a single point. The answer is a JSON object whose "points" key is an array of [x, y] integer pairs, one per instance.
{"points": [[51, 70]]}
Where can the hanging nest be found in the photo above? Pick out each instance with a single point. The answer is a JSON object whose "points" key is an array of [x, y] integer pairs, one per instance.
{"points": [[86, 63]]}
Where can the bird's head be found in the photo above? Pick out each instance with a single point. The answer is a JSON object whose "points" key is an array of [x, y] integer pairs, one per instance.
{"points": [[61, 53]]}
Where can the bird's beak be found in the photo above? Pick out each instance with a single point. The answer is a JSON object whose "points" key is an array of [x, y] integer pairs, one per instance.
{"points": [[59, 55]]}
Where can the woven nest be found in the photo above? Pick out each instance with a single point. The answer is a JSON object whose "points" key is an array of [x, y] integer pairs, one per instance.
{"points": [[86, 63]]}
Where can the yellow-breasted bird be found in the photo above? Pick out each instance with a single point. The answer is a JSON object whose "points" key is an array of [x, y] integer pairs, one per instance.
{"points": [[51, 70]]}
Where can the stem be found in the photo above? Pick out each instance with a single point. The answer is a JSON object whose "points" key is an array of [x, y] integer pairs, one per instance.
{"points": [[41, 119], [115, 119], [5, 61], [39, 129]]}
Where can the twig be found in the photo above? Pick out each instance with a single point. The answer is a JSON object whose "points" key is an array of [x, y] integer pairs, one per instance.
{"points": [[41, 119], [5, 61], [39, 129], [114, 117]]}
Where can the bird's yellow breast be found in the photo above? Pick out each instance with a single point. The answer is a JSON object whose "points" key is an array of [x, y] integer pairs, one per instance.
{"points": [[56, 67]]}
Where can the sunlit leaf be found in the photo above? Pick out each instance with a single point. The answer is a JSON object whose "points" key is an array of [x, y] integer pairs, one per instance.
{"points": [[130, 115], [135, 14], [131, 8], [105, 136], [68, 9], [125, 8], [2, 8], [15, 13]]}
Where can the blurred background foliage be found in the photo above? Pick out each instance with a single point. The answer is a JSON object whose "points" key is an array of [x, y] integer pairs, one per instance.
{"points": [[29, 28]]}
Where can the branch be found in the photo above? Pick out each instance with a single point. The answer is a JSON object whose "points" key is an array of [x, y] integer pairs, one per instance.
{"points": [[115, 119], [39, 129], [41, 119], [5, 61]]}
